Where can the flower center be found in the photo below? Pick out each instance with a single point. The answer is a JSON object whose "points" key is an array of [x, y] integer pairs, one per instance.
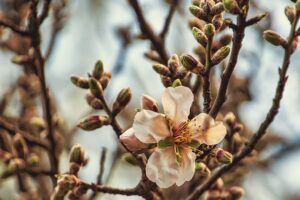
{"points": [[182, 134]]}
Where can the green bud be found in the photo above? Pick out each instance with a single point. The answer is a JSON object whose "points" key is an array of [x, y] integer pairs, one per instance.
{"points": [[273, 38], [164, 143], [130, 159], [77, 155], [217, 9], [231, 6], [96, 88], [290, 13], [122, 100], [202, 169], [188, 61], [93, 123], [220, 55], [198, 12], [176, 83], [199, 36], [209, 30], [98, 70], [32, 160], [224, 156], [173, 62], [80, 82], [161, 69], [194, 144]]}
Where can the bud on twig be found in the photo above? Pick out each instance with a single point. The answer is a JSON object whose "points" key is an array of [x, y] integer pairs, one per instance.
{"points": [[94, 102], [173, 62], [231, 6], [199, 36], [202, 169], [122, 100], [93, 122], [290, 13], [188, 61], [209, 30], [96, 88], [217, 9], [273, 38], [65, 183], [105, 79], [220, 55], [77, 155], [98, 70], [223, 156], [198, 12], [80, 82], [130, 159], [161, 69], [217, 21], [176, 83], [236, 192]]}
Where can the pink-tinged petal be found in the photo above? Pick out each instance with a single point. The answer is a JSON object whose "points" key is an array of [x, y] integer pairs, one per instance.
{"points": [[215, 134], [186, 166], [200, 124], [162, 167], [150, 127], [177, 103], [148, 103], [131, 142]]}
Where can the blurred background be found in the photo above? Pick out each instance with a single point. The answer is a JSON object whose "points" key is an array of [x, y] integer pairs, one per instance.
{"points": [[93, 30]]}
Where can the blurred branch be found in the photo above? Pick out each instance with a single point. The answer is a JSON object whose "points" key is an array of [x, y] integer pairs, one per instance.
{"points": [[14, 27]]}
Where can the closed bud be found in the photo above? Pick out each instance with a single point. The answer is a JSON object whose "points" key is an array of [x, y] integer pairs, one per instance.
{"points": [[273, 38], [37, 124], [20, 145], [148, 103], [196, 2], [217, 21], [173, 62], [290, 13], [217, 9], [238, 127], [176, 83], [202, 169], [77, 155], [32, 160], [223, 156], [297, 5], [161, 69], [96, 88], [166, 81], [94, 102], [198, 12], [236, 192], [98, 70], [122, 100], [130, 159], [220, 55], [105, 79], [199, 70], [230, 118], [188, 61], [93, 122], [181, 72], [80, 82], [22, 59], [199, 36], [231, 6], [209, 30]]}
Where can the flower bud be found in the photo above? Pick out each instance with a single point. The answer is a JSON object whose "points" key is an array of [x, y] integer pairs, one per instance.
{"points": [[188, 61], [65, 183], [20, 145], [131, 142], [148, 103], [122, 100], [217, 9], [181, 72], [94, 102], [273, 38], [167, 82], [176, 83], [93, 122], [5, 156], [199, 36], [173, 62], [202, 169], [130, 159], [105, 79], [161, 69], [80, 82], [220, 55], [230, 118], [209, 30], [223, 156], [290, 13], [22, 59], [98, 70], [96, 88], [236, 192], [196, 3], [198, 12], [217, 21], [77, 155], [37, 124], [231, 6], [32, 160]]}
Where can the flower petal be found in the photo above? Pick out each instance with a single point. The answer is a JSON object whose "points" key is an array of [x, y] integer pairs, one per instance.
{"points": [[200, 124], [162, 167], [177, 103], [150, 127], [186, 166], [131, 142], [215, 134], [148, 103]]}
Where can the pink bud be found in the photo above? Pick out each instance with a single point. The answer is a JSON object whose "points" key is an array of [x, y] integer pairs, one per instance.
{"points": [[148, 103], [131, 142]]}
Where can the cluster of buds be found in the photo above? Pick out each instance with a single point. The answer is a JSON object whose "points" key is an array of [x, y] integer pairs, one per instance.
{"points": [[173, 73], [232, 193], [24, 59], [65, 183], [96, 83], [208, 22]]}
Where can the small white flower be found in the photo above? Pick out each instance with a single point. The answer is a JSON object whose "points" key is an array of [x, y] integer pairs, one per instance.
{"points": [[173, 160]]}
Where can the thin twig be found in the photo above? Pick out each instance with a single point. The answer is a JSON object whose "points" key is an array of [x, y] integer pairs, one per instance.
{"points": [[206, 78], [14, 27], [173, 6], [263, 127]]}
